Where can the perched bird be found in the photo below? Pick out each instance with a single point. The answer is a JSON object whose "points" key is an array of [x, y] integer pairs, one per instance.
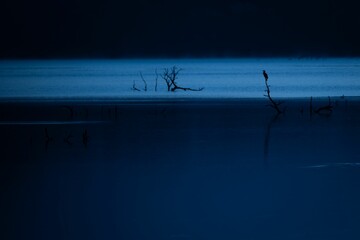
{"points": [[265, 75]]}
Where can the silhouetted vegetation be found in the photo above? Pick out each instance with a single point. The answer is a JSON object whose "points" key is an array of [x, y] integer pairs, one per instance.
{"points": [[145, 83], [275, 105], [323, 110], [170, 76], [156, 80], [134, 88], [327, 109]]}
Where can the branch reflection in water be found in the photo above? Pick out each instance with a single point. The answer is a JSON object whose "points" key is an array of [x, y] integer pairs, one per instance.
{"points": [[267, 138]]}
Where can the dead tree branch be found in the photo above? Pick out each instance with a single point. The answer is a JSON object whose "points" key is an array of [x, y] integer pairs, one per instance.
{"points": [[170, 76], [327, 109], [275, 105], [134, 88], [145, 83], [186, 89], [156, 80]]}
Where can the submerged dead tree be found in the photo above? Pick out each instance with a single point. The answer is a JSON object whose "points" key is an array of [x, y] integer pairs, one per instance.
{"points": [[275, 105], [156, 80], [170, 76], [145, 83], [134, 88], [327, 109]]}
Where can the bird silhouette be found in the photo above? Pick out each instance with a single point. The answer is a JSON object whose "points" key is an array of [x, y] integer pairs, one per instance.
{"points": [[265, 75]]}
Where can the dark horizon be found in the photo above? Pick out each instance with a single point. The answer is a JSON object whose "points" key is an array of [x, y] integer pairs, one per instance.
{"points": [[161, 29]]}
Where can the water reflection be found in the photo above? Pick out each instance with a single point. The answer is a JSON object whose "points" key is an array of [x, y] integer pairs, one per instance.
{"points": [[267, 138]]}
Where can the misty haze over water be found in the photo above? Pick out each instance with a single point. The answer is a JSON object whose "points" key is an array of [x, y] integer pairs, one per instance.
{"points": [[221, 78]]}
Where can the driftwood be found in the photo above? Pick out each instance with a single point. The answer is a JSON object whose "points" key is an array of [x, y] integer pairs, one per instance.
{"points": [[185, 89]]}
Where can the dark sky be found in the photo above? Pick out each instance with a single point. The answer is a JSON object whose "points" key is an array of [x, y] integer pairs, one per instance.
{"points": [[159, 28]]}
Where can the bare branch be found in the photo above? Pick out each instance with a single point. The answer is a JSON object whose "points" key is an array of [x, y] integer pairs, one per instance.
{"points": [[327, 109], [274, 105], [170, 76], [134, 88], [145, 83], [156, 80], [311, 107], [186, 89], [167, 78]]}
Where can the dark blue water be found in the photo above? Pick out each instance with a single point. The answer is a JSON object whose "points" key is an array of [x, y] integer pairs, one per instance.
{"points": [[179, 170], [195, 170]]}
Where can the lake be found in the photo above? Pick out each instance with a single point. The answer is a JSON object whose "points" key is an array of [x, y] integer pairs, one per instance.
{"points": [[221, 78], [85, 157]]}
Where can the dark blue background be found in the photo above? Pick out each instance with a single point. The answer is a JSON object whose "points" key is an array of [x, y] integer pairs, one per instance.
{"points": [[158, 28]]}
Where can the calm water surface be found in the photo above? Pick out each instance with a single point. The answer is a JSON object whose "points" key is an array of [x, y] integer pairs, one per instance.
{"points": [[222, 78], [185, 170], [191, 171]]}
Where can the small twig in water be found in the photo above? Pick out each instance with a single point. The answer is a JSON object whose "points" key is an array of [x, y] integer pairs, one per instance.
{"points": [[145, 84], [327, 109], [156, 80], [134, 88]]}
